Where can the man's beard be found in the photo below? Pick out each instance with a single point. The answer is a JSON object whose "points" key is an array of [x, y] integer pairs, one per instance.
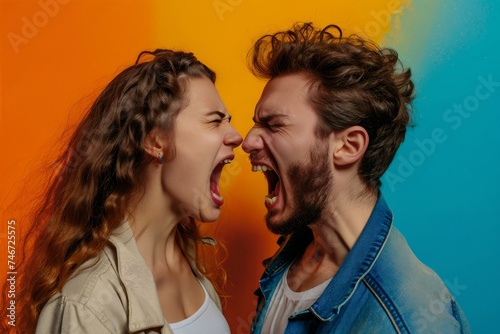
{"points": [[312, 184]]}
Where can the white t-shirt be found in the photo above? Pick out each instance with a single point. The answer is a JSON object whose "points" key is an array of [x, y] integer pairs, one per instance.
{"points": [[207, 320], [285, 302]]}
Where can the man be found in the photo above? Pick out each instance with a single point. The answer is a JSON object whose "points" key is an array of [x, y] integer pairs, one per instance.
{"points": [[327, 126]]}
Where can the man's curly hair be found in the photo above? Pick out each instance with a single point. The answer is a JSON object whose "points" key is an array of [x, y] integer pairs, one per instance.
{"points": [[353, 82]]}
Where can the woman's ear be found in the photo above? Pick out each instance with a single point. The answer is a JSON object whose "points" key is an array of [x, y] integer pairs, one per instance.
{"points": [[350, 145], [154, 144]]}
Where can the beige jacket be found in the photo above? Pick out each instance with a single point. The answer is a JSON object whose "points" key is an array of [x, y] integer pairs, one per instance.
{"points": [[115, 295]]}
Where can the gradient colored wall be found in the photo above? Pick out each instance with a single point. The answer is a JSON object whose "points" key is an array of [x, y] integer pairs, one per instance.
{"points": [[443, 185]]}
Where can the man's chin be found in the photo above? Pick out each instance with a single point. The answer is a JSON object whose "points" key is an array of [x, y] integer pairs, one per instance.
{"points": [[279, 226], [294, 221]]}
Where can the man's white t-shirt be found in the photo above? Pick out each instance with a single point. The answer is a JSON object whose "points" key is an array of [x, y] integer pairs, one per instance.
{"points": [[285, 302]]}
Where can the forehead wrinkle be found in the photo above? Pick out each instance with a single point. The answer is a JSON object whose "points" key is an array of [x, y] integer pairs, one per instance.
{"points": [[268, 115], [266, 110]]}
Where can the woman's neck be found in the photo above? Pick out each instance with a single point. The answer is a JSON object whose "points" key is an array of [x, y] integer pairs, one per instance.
{"points": [[154, 224]]}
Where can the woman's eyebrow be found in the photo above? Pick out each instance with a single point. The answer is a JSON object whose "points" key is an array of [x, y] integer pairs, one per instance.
{"points": [[219, 113]]}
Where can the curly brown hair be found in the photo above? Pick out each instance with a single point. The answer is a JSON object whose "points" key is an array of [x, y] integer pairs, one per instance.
{"points": [[353, 82], [99, 172]]}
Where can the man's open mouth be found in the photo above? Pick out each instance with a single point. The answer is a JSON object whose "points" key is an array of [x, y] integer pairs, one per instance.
{"points": [[273, 182], [214, 182]]}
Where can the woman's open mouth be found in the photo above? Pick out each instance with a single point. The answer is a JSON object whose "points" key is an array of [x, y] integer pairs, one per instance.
{"points": [[214, 182]]}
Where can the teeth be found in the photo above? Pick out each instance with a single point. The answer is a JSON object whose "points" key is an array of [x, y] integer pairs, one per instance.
{"points": [[271, 200], [258, 168], [217, 196], [226, 161]]}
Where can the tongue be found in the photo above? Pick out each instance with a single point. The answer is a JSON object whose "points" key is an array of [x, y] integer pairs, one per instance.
{"points": [[214, 179], [276, 190], [214, 187]]}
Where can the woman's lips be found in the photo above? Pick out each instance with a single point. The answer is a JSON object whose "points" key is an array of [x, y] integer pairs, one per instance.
{"points": [[214, 182]]}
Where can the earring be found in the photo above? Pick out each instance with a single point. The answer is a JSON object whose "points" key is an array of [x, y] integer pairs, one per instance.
{"points": [[160, 159]]}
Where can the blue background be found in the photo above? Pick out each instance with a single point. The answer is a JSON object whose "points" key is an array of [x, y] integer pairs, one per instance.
{"points": [[445, 193]]}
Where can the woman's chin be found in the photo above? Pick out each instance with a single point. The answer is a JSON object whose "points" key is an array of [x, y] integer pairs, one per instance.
{"points": [[209, 215]]}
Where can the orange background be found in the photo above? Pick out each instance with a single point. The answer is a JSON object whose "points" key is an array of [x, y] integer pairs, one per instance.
{"points": [[57, 54]]}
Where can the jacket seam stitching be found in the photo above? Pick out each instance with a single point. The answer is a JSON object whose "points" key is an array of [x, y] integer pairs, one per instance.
{"points": [[93, 311], [383, 304], [362, 277]]}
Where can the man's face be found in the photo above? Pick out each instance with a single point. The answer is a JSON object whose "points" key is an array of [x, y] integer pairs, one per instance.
{"points": [[296, 163]]}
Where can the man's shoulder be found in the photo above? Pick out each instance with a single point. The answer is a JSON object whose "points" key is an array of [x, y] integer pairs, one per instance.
{"points": [[399, 270], [410, 290]]}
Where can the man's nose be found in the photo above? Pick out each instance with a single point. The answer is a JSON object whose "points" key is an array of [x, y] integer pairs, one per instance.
{"points": [[253, 141]]}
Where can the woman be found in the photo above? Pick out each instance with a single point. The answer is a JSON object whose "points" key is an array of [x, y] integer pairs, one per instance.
{"points": [[116, 241]]}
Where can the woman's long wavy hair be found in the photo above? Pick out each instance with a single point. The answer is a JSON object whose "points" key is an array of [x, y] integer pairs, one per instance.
{"points": [[99, 172]]}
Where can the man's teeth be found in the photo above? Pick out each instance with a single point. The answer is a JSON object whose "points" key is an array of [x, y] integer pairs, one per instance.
{"points": [[258, 168], [217, 196], [226, 161], [271, 200]]}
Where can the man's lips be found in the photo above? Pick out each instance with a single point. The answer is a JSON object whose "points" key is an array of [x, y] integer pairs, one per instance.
{"points": [[273, 182]]}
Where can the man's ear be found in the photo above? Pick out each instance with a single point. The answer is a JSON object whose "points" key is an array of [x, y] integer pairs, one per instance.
{"points": [[154, 144], [350, 145]]}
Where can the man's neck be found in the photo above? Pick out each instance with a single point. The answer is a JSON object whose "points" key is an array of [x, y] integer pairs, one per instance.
{"points": [[339, 228], [333, 237]]}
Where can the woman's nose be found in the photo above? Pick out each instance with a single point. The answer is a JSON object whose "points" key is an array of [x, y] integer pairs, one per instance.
{"points": [[233, 138]]}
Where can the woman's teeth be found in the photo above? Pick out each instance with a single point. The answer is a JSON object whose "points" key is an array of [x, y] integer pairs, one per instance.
{"points": [[226, 161], [216, 196]]}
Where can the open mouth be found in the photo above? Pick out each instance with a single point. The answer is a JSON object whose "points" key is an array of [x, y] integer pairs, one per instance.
{"points": [[273, 182], [214, 182]]}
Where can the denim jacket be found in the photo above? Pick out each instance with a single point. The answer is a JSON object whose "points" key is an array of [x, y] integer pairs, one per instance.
{"points": [[381, 287]]}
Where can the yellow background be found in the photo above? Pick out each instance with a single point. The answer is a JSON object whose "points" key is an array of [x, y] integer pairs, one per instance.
{"points": [[57, 55]]}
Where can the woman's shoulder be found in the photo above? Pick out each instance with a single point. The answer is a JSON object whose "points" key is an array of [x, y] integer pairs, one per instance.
{"points": [[93, 293], [88, 277]]}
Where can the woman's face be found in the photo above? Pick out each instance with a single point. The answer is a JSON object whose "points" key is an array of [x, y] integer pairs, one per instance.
{"points": [[204, 141]]}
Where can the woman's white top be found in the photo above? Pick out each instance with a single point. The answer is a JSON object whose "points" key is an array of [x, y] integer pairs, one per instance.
{"points": [[207, 320]]}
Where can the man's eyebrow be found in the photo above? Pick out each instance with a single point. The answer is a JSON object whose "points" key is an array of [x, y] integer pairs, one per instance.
{"points": [[267, 118], [219, 113]]}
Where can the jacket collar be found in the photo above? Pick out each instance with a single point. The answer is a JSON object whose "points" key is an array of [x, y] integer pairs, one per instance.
{"points": [[144, 309], [357, 264]]}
